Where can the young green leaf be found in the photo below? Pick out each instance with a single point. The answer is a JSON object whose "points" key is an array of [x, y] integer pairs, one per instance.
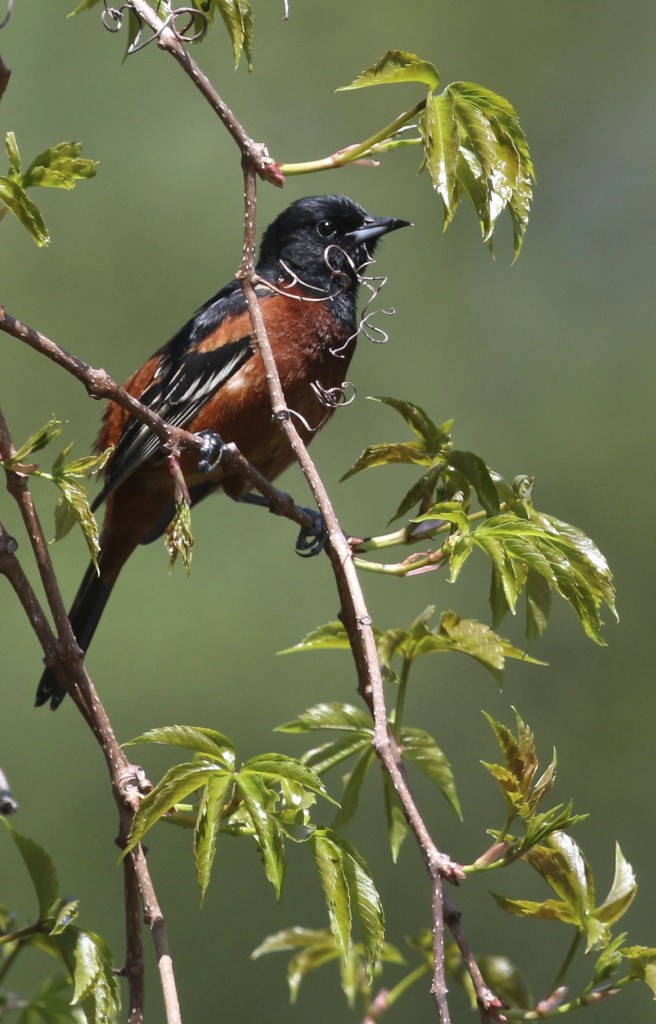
{"points": [[196, 738], [52, 429], [41, 870], [349, 890], [61, 166], [420, 748], [177, 784], [238, 19], [178, 538], [206, 834], [332, 715], [397, 827], [397, 66], [274, 767], [439, 132], [16, 200], [331, 637], [622, 891], [257, 799]]}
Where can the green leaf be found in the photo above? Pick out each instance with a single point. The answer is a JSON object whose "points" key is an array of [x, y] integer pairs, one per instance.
{"points": [[64, 915], [546, 910], [330, 637], [85, 5], [478, 476], [397, 827], [176, 785], [238, 19], [96, 984], [316, 948], [16, 200], [538, 605], [274, 767], [12, 153], [332, 715], [562, 865], [206, 834], [439, 132], [53, 428], [256, 798], [40, 868], [420, 748], [467, 636], [59, 167], [643, 964], [328, 755], [178, 538], [397, 66], [202, 741], [435, 439], [353, 787], [622, 891], [348, 889]]}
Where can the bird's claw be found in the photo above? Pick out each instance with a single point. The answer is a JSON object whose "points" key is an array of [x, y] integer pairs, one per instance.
{"points": [[213, 448], [312, 539]]}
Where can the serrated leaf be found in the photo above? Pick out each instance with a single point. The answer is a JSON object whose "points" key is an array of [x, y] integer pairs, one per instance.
{"points": [[316, 948], [96, 984], [177, 784], [178, 538], [59, 166], [397, 827], [52, 429], [420, 748], [478, 476], [643, 964], [40, 868], [389, 453], [64, 915], [353, 787], [467, 636], [330, 637], [328, 755], [538, 605], [562, 865], [397, 66], [16, 200], [274, 767], [434, 439], [201, 740], [348, 889], [422, 490], [439, 132], [269, 837], [334, 715], [238, 19], [546, 910], [206, 834], [328, 859]]}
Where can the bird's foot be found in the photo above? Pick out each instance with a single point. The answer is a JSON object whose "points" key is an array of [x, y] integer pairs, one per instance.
{"points": [[312, 539], [212, 451]]}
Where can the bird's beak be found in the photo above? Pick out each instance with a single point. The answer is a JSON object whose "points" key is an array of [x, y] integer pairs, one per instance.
{"points": [[374, 227]]}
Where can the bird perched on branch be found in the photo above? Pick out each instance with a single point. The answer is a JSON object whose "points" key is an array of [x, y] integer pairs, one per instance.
{"points": [[209, 379]]}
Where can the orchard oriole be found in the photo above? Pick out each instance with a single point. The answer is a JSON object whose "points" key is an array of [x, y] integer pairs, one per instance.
{"points": [[210, 378]]}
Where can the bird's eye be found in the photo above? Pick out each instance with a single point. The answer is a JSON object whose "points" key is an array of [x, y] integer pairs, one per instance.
{"points": [[326, 228]]}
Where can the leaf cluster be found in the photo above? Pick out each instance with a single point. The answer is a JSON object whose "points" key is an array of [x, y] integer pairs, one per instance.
{"points": [[60, 166], [73, 507], [86, 958], [473, 144], [532, 553], [267, 799]]}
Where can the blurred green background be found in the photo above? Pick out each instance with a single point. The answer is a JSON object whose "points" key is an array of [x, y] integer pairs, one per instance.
{"points": [[547, 367]]}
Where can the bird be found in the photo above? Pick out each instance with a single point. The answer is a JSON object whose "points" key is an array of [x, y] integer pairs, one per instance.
{"points": [[210, 380]]}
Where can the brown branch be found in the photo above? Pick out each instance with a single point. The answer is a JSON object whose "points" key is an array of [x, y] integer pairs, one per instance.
{"points": [[168, 40], [355, 615], [127, 780]]}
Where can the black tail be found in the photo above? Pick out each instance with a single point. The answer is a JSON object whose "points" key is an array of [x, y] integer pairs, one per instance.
{"points": [[88, 606]]}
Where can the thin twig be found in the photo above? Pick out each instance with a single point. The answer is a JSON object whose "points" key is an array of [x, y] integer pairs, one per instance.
{"points": [[168, 40]]}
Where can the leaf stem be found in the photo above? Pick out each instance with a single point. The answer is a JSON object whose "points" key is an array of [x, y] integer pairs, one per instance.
{"points": [[405, 983], [350, 154], [567, 962]]}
